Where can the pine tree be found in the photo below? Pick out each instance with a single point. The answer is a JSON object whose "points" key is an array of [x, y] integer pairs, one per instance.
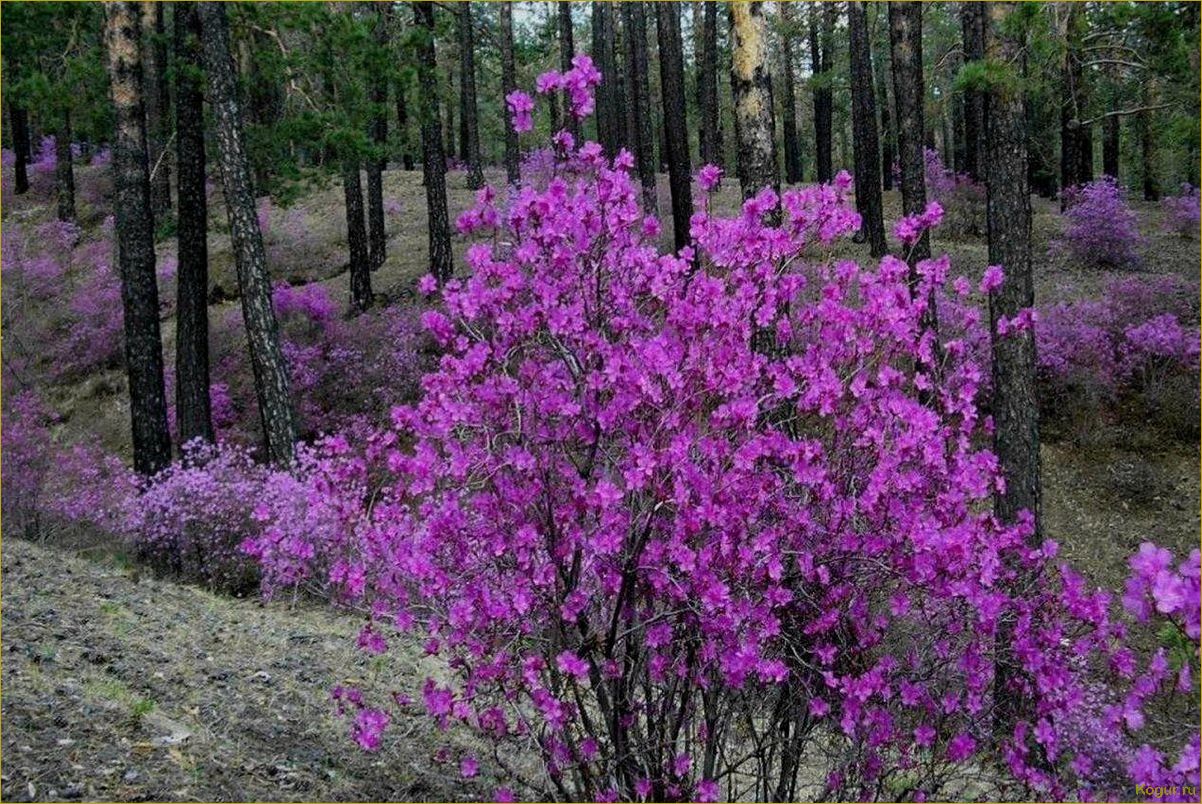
{"points": [[671, 77], [468, 115], [433, 161], [865, 147], [752, 90], [135, 243]]}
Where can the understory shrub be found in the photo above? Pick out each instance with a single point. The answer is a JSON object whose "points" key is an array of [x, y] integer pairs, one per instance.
{"points": [[1181, 212], [962, 199], [715, 524], [1100, 230]]}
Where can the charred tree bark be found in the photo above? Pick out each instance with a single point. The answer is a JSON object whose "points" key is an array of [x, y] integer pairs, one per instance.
{"points": [[789, 101], [905, 39], [377, 241], [707, 88], [470, 150], [64, 171], [752, 90], [509, 83], [158, 103], [567, 51], [638, 68], [272, 385], [20, 122], [1110, 146], [356, 237], [820, 64], [972, 26], [135, 243], [865, 148], [433, 161], [193, 412], [671, 78]]}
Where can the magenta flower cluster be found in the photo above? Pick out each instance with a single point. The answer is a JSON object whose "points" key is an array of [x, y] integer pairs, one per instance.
{"points": [[1100, 230], [1182, 212]]}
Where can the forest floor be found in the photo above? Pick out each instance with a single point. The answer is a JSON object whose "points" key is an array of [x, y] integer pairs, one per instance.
{"points": [[118, 685]]}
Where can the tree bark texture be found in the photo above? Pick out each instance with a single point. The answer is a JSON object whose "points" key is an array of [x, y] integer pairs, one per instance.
{"points": [[751, 86], [433, 160], [671, 78], [865, 148]]}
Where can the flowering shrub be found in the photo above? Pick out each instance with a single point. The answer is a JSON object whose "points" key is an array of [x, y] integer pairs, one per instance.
{"points": [[1182, 212], [662, 512], [962, 199], [1100, 230]]}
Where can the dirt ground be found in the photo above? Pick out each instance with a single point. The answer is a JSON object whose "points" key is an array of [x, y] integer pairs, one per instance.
{"points": [[119, 686]]}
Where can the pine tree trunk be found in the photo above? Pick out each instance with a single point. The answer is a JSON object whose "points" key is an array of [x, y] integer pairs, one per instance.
{"points": [[158, 104], [567, 51], [711, 126], [356, 237], [608, 114], [20, 122], [752, 90], [509, 83], [1084, 154], [789, 101], [272, 385], [467, 97], [1147, 146], [1110, 146], [1071, 139], [451, 101], [638, 68], [820, 64], [1015, 407], [377, 241], [193, 412], [972, 26], [671, 78], [888, 156], [64, 171], [433, 161], [905, 38], [135, 243], [865, 147], [402, 122], [622, 129]]}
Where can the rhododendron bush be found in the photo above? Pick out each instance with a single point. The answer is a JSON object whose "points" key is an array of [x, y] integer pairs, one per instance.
{"points": [[715, 523], [1100, 230]]}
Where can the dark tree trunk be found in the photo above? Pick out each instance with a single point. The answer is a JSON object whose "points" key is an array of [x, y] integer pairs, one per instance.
{"points": [[1071, 139], [135, 243], [509, 83], [451, 101], [671, 78], [356, 237], [972, 25], [638, 68], [1015, 407], [433, 161], [959, 151], [905, 39], [377, 241], [402, 122], [888, 157], [1084, 154], [270, 370], [608, 114], [567, 50], [752, 90], [1147, 147], [64, 171], [467, 97], [864, 137], [820, 64], [789, 101], [158, 105], [707, 88], [193, 414], [1110, 146], [20, 121], [623, 128]]}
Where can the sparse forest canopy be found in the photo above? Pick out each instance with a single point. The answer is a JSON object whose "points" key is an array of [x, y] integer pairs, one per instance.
{"points": [[682, 401]]}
